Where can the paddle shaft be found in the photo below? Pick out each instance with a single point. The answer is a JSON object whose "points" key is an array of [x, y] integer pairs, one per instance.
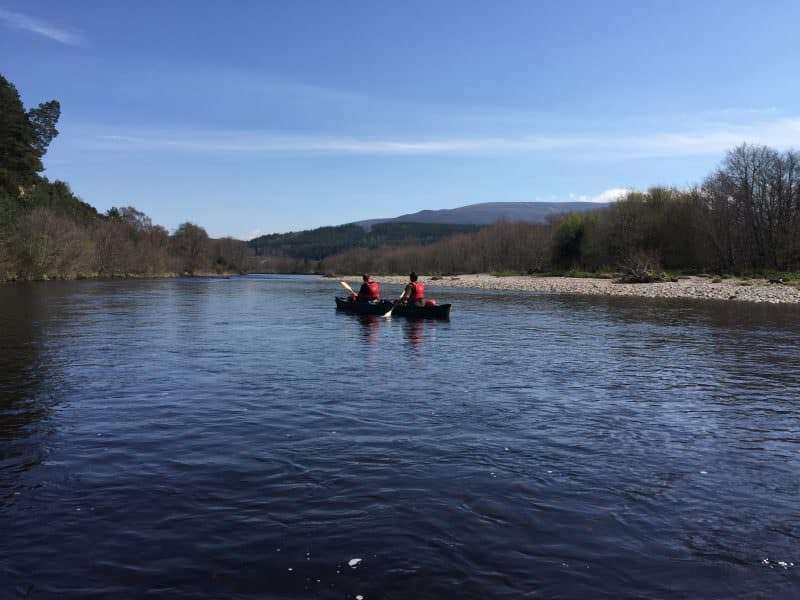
{"points": [[389, 312]]}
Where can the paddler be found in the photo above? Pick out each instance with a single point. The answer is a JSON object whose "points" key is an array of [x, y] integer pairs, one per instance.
{"points": [[370, 290], [414, 292]]}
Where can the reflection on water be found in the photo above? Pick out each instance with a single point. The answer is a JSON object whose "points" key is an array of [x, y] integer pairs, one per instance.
{"points": [[242, 438], [370, 328], [414, 330]]}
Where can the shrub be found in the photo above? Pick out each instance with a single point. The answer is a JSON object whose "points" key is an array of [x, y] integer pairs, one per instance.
{"points": [[640, 266]]}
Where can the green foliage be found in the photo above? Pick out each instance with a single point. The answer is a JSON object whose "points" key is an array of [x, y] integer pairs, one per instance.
{"points": [[20, 159], [392, 233], [24, 138], [47, 232], [58, 197], [318, 244], [569, 235], [8, 209], [578, 274], [43, 121], [313, 244]]}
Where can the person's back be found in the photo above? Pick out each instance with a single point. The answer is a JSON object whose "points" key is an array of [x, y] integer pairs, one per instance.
{"points": [[370, 290], [415, 290]]}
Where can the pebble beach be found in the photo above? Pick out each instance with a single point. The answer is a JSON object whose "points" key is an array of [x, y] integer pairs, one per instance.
{"points": [[700, 288]]}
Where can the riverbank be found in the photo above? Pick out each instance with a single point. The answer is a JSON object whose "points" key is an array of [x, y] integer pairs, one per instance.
{"points": [[699, 288], [125, 276]]}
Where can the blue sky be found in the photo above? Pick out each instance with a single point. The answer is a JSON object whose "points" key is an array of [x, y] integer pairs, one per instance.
{"points": [[255, 116]]}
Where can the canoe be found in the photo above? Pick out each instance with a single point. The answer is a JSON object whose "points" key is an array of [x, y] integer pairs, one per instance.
{"points": [[363, 308], [439, 311]]}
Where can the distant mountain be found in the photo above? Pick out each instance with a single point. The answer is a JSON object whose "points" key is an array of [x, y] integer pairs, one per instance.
{"points": [[316, 244], [487, 213], [424, 227]]}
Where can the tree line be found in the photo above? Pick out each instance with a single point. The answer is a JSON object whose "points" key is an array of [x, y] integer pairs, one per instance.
{"points": [[314, 245], [744, 218], [47, 232]]}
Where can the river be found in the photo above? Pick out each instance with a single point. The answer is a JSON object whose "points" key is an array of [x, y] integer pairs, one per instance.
{"points": [[238, 438]]}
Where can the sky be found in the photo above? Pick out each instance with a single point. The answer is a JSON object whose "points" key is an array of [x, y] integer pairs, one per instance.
{"points": [[267, 116]]}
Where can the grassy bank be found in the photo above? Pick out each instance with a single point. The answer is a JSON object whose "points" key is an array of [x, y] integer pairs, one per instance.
{"points": [[117, 276]]}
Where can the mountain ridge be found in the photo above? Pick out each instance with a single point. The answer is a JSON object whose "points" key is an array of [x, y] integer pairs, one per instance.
{"points": [[486, 213], [420, 228]]}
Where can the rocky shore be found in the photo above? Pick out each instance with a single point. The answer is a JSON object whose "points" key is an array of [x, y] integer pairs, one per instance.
{"points": [[701, 288]]}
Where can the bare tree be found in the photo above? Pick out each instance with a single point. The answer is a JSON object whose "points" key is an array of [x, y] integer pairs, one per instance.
{"points": [[190, 243], [45, 245]]}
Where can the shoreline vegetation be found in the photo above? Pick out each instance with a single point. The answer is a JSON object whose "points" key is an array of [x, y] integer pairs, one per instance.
{"points": [[48, 233], [743, 220]]}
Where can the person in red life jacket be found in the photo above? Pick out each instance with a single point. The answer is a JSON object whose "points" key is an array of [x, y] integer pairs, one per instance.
{"points": [[370, 290], [414, 292]]}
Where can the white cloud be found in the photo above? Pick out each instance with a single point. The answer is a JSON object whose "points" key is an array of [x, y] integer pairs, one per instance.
{"points": [[716, 139], [23, 22], [611, 195]]}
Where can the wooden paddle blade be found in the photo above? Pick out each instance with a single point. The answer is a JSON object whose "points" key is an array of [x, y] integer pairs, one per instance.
{"points": [[389, 313], [347, 287]]}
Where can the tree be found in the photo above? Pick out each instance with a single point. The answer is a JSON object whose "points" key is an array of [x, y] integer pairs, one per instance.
{"points": [[568, 238], [753, 205], [20, 161], [24, 137], [231, 255], [46, 245], [43, 121], [190, 243]]}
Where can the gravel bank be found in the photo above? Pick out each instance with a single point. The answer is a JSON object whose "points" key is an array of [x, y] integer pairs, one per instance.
{"points": [[691, 287]]}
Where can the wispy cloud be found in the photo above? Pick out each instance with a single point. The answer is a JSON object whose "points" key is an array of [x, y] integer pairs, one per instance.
{"points": [[781, 133], [15, 20]]}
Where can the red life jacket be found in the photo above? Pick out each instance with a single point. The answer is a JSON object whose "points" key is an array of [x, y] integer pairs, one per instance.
{"points": [[417, 291], [370, 290]]}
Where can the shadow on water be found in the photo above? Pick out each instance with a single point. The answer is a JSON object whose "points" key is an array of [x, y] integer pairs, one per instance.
{"points": [[26, 378]]}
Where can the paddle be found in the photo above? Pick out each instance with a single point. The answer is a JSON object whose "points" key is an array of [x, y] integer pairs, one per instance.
{"points": [[347, 287], [389, 312]]}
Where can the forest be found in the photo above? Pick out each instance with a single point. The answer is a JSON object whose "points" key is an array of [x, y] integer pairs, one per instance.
{"points": [[47, 232], [743, 218], [316, 244]]}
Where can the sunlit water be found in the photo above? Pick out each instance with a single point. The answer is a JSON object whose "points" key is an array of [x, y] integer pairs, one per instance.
{"points": [[240, 439]]}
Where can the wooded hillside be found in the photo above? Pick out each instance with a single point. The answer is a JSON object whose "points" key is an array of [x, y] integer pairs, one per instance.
{"points": [[47, 232]]}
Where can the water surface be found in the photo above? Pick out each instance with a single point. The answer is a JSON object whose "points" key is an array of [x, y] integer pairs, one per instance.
{"points": [[238, 438]]}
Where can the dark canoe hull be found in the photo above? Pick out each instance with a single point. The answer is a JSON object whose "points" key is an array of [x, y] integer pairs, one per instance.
{"points": [[363, 308], [440, 311]]}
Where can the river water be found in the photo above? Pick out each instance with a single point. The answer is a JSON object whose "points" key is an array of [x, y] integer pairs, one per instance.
{"points": [[214, 438]]}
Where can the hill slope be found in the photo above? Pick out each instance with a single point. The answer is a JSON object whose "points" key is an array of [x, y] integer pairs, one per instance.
{"points": [[487, 213], [316, 244]]}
